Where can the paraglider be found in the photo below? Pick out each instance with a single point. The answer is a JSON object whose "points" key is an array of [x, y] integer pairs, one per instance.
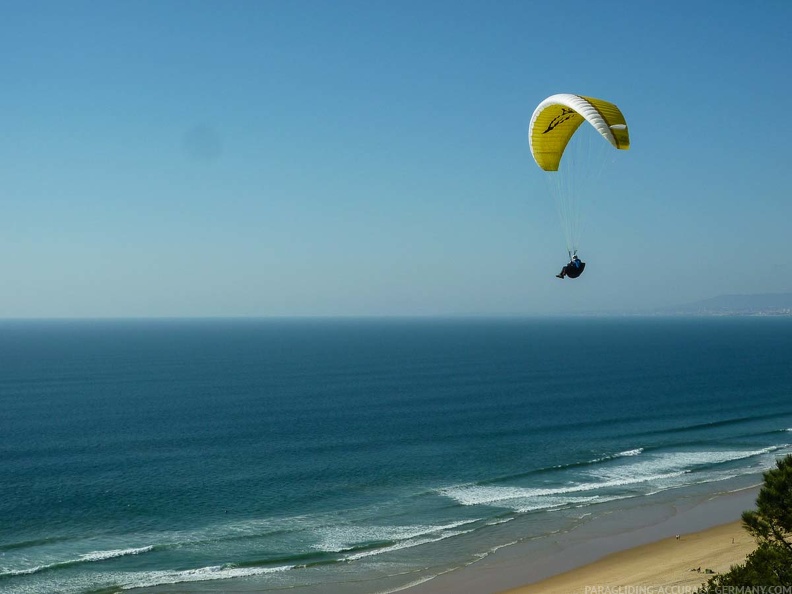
{"points": [[553, 124], [574, 269]]}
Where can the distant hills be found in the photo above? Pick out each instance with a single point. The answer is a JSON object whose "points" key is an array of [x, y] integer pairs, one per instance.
{"points": [[767, 304]]}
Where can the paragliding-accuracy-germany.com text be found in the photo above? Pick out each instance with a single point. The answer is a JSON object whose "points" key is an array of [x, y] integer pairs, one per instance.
{"points": [[686, 590]]}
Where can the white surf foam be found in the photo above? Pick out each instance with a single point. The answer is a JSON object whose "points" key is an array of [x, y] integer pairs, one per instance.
{"points": [[628, 470], [92, 557], [343, 538], [103, 555], [150, 579], [542, 498], [630, 453], [407, 544], [672, 462]]}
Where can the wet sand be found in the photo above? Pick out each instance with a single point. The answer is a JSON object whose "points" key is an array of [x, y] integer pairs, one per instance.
{"points": [[630, 551], [677, 565]]}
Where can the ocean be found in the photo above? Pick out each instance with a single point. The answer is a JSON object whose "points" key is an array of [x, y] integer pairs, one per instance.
{"points": [[358, 456]]}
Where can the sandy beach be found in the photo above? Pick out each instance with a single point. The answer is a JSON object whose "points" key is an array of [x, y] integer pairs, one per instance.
{"points": [[677, 565], [629, 551]]}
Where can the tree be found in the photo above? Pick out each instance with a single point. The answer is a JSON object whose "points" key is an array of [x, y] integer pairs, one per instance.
{"points": [[771, 525], [772, 520]]}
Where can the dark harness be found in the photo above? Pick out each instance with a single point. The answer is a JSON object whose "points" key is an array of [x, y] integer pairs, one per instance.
{"points": [[573, 271]]}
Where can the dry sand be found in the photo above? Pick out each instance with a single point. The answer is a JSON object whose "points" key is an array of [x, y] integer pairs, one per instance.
{"points": [[669, 566]]}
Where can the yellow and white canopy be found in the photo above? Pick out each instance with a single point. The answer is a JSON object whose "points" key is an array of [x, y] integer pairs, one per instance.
{"points": [[558, 117]]}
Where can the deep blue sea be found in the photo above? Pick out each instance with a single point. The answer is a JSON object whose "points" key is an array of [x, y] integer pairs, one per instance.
{"points": [[359, 456]]}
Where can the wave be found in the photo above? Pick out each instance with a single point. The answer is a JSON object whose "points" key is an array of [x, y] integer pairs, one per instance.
{"points": [[347, 538], [686, 460], [545, 498], [151, 579], [329, 532], [32, 543], [411, 536], [558, 468], [92, 557], [715, 424], [635, 452], [332, 544], [603, 481], [561, 467], [103, 555], [346, 543], [408, 544], [624, 454], [669, 464]]}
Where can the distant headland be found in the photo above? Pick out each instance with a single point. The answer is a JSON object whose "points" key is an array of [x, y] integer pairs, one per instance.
{"points": [[765, 304]]}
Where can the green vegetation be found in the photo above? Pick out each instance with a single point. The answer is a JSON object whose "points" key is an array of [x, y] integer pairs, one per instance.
{"points": [[771, 525]]}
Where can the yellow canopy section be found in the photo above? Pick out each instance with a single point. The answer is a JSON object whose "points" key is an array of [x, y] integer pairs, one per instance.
{"points": [[558, 117]]}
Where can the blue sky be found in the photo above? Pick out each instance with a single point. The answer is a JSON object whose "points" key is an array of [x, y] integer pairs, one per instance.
{"points": [[371, 158]]}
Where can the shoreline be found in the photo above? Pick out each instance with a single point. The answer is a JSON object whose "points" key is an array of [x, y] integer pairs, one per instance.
{"points": [[612, 551], [679, 565]]}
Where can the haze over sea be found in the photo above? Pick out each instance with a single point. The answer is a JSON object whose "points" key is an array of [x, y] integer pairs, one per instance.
{"points": [[360, 455]]}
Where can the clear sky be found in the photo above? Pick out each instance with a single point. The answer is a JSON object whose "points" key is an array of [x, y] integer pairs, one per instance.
{"points": [[278, 158]]}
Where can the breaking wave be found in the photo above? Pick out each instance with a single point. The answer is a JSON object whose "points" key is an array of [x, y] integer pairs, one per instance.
{"points": [[92, 557]]}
